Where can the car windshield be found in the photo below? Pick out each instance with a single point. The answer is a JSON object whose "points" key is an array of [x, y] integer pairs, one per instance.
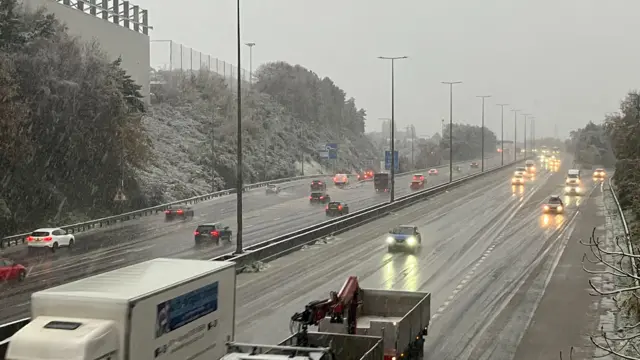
{"points": [[205, 228], [334, 204], [316, 182], [518, 176], [403, 230], [572, 176], [555, 200]]}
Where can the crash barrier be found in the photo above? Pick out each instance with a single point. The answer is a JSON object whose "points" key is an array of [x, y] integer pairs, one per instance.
{"points": [[627, 233], [15, 240], [284, 244]]}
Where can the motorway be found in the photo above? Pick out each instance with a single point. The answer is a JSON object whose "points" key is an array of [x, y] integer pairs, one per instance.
{"points": [[487, 250], [150, 237]]}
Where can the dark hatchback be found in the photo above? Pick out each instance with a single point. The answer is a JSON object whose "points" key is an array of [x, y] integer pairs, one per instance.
{"points": [[319, 197], [178, 213], [336, 208], [212, 232]]}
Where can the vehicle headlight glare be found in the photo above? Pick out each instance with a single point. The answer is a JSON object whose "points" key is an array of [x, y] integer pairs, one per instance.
{"points": [[411, 241], [390, 240], [559, 208], [568, 188], [546, 207]]}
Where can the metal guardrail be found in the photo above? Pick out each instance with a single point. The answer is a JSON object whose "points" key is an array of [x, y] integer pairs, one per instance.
{"points": [[627, 233], [18, 239], [284, 244]]}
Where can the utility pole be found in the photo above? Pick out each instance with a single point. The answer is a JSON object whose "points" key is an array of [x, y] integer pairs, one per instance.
{"points": [[483, 97], [502, 132], [515, 134], [451, 83], [393, 123], [250, 45], [525, 133], [239, 166]]}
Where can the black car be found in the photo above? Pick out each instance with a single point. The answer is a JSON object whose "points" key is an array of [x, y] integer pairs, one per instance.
{"points": [[319, 197], [183, 213], [336, 208], [318, 185], [474, 165], [554, 205], [212, 232]]}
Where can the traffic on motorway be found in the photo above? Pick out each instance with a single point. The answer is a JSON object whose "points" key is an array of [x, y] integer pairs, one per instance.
{"points": [[484, 274], [508, 224], [206, 234]]}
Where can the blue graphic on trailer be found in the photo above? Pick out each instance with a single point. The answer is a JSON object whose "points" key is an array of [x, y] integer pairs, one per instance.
{"points": [[181, 310], [387, 160]]}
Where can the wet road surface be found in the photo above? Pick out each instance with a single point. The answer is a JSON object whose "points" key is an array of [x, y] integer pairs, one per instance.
{"points": [[487, 252], [265, 217]]}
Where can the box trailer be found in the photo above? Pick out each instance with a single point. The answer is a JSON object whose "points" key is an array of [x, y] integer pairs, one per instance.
{"points": [[162, 309], [400, 318]]}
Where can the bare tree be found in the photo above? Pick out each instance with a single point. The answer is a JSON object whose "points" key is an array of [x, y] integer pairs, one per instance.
{"points": [[614, 261]]}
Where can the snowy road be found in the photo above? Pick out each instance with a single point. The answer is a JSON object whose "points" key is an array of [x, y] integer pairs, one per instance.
{"points": [[265, 217], [487, 252]]}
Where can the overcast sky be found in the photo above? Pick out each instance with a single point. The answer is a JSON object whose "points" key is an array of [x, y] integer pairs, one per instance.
{"points": [[565, 61]]}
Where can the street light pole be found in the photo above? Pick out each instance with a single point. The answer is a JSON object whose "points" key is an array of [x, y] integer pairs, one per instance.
{"points": [[451, 83], [393, 123], [250, 45], [515, 134], [525, 133], [502, 132], [483, 97], [239, 166]]}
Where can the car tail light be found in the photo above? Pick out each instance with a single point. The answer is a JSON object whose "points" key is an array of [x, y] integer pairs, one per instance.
{"points": [[48, 238], [326, 207], [29, 238], [167, 211], [340, 207], [310, 197], [214, 233], [321, 197], [180, 211], [196, 233]]}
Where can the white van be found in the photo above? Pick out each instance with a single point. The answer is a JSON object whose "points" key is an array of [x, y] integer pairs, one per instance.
{"points": [[573, 177]]}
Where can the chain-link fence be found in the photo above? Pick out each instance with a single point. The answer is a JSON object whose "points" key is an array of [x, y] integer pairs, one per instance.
{"points": [[170, 55]]}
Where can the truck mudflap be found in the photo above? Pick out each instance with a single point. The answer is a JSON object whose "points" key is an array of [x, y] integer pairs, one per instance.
{"points": [[343, 346]]}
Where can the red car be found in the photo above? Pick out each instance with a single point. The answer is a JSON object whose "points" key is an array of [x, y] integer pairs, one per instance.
{"points": [[418, 177], [11, 271], [433, 172]]}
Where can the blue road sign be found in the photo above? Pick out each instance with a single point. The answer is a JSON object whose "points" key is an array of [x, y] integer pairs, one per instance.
{"points": [[332, 150], [387, 160]]}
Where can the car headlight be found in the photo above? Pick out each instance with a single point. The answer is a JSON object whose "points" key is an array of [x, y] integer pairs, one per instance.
{"points": [[411, 241], [546, 208], [568, 188], [390, 240], [559, 208]]}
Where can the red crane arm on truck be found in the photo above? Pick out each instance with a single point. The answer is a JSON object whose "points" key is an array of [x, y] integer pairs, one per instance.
{"points": [[333, 307]]}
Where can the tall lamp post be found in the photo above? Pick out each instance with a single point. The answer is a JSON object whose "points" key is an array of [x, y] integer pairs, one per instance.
{"points": [[393, 123], [502, 132], [250, 45], [451, 83], [515, 134], [483, 97], [239, 166], [525, 133]]}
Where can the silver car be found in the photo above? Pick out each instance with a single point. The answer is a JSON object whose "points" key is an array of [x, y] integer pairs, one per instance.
{"points": [[273, 189]]}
